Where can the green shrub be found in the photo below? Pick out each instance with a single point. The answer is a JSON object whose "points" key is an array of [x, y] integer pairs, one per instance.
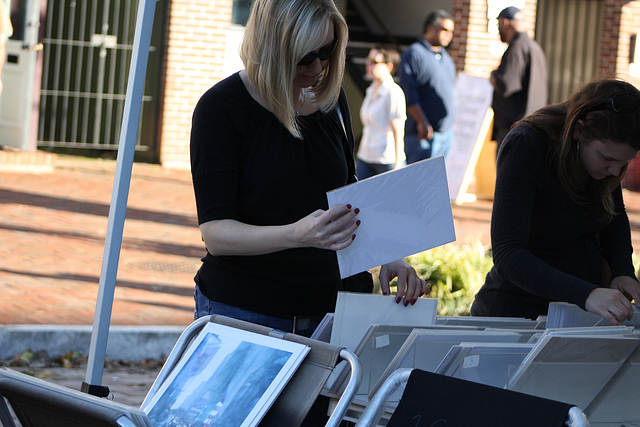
{"points": [[455, 272]]}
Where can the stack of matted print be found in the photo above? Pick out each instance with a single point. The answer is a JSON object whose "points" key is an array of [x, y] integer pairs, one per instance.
{"points": [[571, 356]]}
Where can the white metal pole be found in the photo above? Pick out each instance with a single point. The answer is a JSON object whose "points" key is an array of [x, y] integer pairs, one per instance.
{"points": [[117, 210]]}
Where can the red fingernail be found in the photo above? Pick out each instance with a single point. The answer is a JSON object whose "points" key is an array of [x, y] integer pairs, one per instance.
{"points": [[356, 210], [348, 206], [353, 237], [358, 222]]}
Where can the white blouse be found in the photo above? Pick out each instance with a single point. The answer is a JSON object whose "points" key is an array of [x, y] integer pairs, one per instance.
{"points": [[377, 112]]}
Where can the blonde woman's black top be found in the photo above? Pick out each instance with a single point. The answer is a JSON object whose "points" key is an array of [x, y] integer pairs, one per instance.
{"points": [[246, 166]]}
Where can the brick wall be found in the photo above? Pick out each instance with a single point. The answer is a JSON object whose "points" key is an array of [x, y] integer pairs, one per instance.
{"points": [[457, 48], [629, 25], [609, 44], [195, 61], [621, 19]]}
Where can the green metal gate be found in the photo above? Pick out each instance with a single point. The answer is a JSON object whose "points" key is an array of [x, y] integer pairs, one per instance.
{"points": [[569, 32], [87, 51]]}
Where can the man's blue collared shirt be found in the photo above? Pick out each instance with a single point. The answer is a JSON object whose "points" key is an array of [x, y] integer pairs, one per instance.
{"points": [[427, 78]]}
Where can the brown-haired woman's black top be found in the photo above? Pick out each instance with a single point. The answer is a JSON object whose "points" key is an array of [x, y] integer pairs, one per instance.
{"points": [[546, 247]]}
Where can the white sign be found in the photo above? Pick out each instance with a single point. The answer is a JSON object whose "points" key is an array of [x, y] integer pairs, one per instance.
{"points": [[473, 96]]}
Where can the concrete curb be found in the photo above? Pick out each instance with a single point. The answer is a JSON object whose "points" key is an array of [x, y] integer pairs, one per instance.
{"points": [[130, 343]]}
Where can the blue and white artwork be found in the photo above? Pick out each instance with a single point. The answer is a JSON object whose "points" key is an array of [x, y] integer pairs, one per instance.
{"points": [[228, 379]]}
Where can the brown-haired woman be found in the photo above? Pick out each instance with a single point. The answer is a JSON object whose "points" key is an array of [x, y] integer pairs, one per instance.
{"points": [[559, 228]]}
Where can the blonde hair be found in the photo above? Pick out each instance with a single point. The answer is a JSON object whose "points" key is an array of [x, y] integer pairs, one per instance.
{"points": [[278, 34]]}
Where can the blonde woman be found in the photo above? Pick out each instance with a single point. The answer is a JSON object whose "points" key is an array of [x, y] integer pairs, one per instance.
{"points": [[267, 144], [383, 114]]}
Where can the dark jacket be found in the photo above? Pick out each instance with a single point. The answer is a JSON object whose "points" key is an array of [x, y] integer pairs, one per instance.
{"points": [[521, 81]]}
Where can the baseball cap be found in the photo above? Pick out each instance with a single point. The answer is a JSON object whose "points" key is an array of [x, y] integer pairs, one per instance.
{"points": [[509, 12]]}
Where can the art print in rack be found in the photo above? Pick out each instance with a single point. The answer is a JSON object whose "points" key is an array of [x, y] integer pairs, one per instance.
{"points": [[228, 377]]}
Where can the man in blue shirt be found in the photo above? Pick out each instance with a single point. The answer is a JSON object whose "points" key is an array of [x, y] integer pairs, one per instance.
{"points": [[427, 76]]}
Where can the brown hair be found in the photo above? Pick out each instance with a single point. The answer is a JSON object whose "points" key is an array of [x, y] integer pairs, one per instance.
{"points": [[390, 54], [560, 121]]}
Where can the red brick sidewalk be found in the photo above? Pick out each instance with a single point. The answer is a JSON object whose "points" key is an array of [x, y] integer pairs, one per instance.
{"points": [[52, 233]]}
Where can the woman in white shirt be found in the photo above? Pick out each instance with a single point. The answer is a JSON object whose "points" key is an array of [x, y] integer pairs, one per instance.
{"points": [[383, 114]]}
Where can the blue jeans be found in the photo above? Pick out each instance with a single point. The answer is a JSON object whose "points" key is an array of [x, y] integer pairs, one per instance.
{"points": [[366, 170], [206, 307], [441, 143], [417, 150]]}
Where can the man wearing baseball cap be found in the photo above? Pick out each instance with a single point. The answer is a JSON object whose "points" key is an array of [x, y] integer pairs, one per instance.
{"points": [[520, 82]]}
